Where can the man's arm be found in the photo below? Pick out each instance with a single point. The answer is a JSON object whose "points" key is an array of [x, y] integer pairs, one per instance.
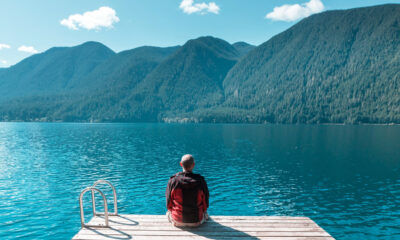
{"points": [[206, 193], [168, 194]]}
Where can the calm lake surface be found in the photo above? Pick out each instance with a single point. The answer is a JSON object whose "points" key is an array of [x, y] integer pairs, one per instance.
{"points": [[346, 178]]}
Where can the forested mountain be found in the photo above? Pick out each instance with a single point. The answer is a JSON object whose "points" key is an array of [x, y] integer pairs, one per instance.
{"points": [[337, 66], [59, 69], [127, 68], [188, 80], [100, 91], [119, 76], [2, 71]]}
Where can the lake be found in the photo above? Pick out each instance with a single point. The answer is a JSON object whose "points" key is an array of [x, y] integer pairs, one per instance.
{"points": [[346, 178]]}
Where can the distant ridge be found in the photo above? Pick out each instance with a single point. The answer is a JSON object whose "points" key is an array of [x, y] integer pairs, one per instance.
{"points": [[339, 66], [59, 69]]}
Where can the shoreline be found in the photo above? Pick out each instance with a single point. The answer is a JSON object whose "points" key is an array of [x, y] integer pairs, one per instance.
{"points": [[215, 123]]}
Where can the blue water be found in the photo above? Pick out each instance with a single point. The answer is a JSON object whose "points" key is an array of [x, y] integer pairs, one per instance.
{"points": [[346, 178]]}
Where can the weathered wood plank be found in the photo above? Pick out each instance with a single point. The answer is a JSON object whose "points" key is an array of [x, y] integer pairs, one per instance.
{"points": [[96, 237], [218, 227], [127, 220], [214, 224], [222, 218], [209, 222], [137, 216], [206, 229], [110, 232], [122, 222]]}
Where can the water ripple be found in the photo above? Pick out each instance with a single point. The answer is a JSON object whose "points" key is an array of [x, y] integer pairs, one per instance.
{"points": [[340, 176]]}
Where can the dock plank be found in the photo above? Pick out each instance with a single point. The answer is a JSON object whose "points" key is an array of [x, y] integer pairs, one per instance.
{"points": [[209, 228], [218, 227], [96, 237]]}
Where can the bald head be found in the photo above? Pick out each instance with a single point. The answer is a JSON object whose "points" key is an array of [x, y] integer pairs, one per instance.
{"points": [[187, 162]]}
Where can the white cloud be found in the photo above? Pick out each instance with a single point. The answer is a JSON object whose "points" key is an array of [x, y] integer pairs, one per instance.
{"points": [[28, 49], [92, 20], [2, 46], [294, 12], [4, 62], [189, 7]]}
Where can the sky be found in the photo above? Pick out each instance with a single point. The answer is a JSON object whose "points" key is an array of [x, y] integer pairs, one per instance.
{"points": [[32, 26]]}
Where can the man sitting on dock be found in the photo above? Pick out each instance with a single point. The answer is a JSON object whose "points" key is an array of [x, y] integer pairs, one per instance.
{"points": [[187, 196]]}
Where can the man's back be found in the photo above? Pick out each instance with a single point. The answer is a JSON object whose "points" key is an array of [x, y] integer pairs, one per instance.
{"points": [[187, 197]]}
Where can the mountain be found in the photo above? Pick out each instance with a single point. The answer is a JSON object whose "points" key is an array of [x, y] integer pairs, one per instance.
{"points": [[190, 79], [338, 66], [129, 67], [143, 84], [334, 67], [243, 48], [99, 92], [59, 69], [116, 78]]}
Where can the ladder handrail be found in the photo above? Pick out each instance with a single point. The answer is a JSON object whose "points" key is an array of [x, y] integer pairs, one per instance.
{"points": [[115, 213], [93, 189]]}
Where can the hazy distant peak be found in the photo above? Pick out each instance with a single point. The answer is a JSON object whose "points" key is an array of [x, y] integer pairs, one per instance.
{"points": [[242, 44], [150, 48], [205, 38], [148, 53], [92, 44], [243, 47], [95, 46], [216, 45]]}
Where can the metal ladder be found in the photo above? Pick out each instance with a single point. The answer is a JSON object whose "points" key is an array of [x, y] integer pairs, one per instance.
{"points": [[93, 189]]}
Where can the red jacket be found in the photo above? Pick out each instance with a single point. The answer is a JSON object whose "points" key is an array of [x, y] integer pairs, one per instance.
{"points": [[187, 197]]}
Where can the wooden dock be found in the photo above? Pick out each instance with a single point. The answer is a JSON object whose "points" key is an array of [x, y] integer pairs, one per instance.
{"points": [[139, 227]]}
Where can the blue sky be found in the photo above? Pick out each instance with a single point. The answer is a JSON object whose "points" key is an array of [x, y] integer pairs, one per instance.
{"points": [[28, 26]]}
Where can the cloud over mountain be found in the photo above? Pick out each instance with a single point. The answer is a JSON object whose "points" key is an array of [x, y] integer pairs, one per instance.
{"points": [[27, 49], [104, 17], [295, 12]]}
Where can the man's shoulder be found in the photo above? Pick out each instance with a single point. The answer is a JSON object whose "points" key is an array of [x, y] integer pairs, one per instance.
{"points": [[192, 175], [174, 176], [199, 176]]}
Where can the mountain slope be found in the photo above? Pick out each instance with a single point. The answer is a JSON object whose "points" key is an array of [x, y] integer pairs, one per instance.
{"points": [[129, 67], [59, 69], [116, 78], [337, 66], [99, 93], [188, 80]]}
